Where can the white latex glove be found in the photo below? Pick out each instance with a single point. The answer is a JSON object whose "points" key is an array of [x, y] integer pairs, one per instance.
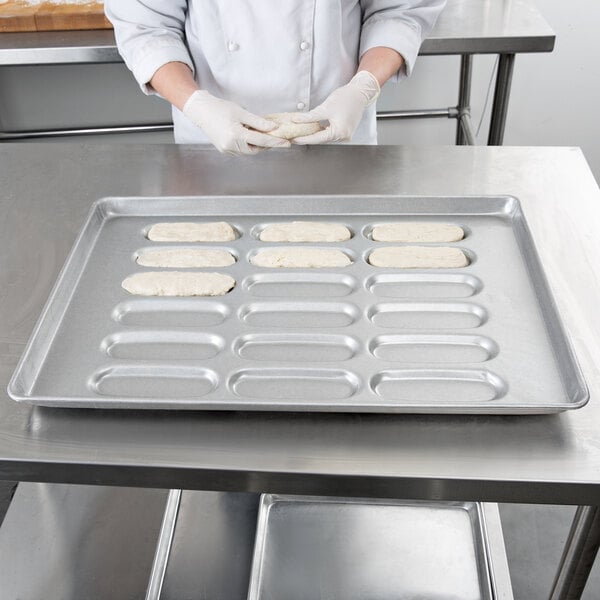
{"points": [[223, 123], [343, 108]]}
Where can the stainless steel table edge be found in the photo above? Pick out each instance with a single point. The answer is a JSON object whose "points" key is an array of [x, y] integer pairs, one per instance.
{"points": [[96, 47], [433, 46], [317, 484], [58, 48]]}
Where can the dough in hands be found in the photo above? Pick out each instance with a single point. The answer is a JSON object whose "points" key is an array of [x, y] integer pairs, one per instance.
{"points": [[191, 232], [305, 231], [184, 258], [178, 283], [419, 257], [300, 258], [288, 129], [417, 232]]}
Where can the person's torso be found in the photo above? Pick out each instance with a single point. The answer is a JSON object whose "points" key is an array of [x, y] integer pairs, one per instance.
{"points": [[274, 55]]}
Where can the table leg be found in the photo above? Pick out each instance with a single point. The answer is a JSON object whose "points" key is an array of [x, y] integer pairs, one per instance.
{"points": [[464, 96], [579, 555], [501, 95], [163, 547]]}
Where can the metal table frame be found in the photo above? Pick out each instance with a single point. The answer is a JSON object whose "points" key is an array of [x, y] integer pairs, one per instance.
{"points": [[465, 28]]}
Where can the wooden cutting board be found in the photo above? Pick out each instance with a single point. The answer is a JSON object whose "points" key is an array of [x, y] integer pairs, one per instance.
{"points": [[19, 15]]}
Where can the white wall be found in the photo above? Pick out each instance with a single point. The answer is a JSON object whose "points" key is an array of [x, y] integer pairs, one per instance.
{"points": [[555, 97], [553, 102]]}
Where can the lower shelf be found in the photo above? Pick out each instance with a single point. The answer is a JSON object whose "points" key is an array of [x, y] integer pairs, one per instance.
{"points": [[63, 542], [304, 545], [70, 542]]}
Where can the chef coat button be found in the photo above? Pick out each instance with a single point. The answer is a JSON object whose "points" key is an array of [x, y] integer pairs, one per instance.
{"points": [[232, 47], [303, 45], [300, 105]]}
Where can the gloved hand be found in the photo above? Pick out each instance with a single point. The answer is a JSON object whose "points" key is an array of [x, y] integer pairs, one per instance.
{"points": [[343, 109], [223, 123]]}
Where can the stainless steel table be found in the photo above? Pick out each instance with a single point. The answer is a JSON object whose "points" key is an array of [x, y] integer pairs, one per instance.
{"points": [[466, 28], [45, 194]]}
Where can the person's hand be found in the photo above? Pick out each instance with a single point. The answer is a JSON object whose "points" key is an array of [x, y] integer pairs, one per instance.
{"points": [[343, 109], [223, 123]]}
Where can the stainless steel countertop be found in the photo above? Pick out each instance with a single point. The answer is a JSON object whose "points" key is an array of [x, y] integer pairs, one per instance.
{"points": [[45, 194], [465, 26]]}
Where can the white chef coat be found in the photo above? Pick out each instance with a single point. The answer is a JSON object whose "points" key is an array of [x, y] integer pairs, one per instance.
{"points": [[267, 55]]}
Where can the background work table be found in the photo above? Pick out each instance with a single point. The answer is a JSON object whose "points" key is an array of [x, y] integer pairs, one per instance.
{"points": [[466, 28]]}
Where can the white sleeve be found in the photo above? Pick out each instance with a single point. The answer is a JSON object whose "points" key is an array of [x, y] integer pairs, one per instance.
{"points": [[150, 34], [400, 25]]}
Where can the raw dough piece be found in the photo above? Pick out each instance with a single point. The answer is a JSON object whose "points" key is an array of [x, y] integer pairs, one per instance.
{"points": [[288, 129], [417, 232], [178, 283], [191, 232], [305, 231], [300, 258], [183, 258], [418, 257]]}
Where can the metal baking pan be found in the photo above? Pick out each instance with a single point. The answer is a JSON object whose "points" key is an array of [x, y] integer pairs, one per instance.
{"points": [[485, 338], [350, 549]]}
